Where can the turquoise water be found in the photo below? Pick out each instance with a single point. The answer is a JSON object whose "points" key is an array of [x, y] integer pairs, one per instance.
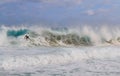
{"points": [[16, 33]]}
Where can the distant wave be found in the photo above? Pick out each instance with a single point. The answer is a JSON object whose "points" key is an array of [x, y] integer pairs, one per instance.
{"points": [[39, 36]]}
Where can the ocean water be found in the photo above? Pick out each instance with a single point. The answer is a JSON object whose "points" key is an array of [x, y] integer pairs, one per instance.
{"points": [[84, 51]]}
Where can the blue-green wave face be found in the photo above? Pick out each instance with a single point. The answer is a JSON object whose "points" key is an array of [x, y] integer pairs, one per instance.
{"points": [[16, 33]]}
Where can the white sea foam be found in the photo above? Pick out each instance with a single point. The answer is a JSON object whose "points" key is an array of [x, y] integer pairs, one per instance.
{"points": [[51, 56]]}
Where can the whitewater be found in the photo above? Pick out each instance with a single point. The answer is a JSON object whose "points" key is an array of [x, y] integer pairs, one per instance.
{"points": [[59, 51]]}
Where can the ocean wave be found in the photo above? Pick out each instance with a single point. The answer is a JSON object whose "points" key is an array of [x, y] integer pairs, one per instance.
{"points": [[39, 36]]}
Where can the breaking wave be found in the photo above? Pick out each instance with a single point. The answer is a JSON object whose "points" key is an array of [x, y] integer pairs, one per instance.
{"points": [[62, 36]]}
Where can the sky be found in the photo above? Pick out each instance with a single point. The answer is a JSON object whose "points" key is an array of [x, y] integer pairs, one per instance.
{"points": [[59, 12]]}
